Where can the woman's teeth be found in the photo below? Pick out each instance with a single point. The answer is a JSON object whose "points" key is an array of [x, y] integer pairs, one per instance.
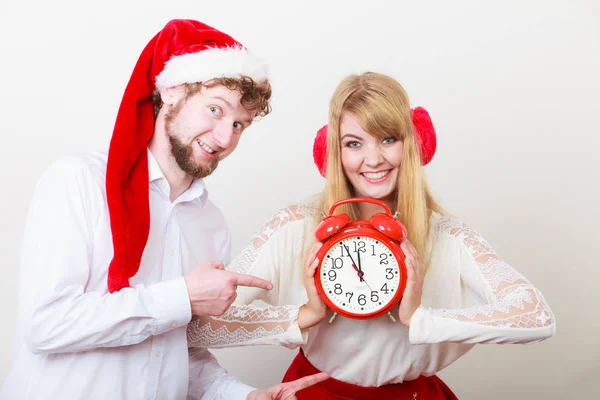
{"points": [[375, 175], [205, 147]]}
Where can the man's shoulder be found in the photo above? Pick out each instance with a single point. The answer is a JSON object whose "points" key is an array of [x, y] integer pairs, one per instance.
{"points": [[78, 168], [95, 161]]}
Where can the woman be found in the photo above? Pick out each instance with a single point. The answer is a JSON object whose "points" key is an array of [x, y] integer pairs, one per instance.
{"points": [[459, 293]]}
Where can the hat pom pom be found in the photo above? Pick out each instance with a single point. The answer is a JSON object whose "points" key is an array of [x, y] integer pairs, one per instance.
{"points": [[320, 150], [426, 135]]}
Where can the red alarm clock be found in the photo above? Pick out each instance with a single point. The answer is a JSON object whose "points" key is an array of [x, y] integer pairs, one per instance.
{"points": [[361, 272]]}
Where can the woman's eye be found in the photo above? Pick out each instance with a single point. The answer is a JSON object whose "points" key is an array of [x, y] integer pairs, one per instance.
{"points": [[215, 110], [390, 139], [352, 143]]}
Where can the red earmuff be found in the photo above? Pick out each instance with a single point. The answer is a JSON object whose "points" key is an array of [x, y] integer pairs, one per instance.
{"points": [[389, 226], [330, 225]]}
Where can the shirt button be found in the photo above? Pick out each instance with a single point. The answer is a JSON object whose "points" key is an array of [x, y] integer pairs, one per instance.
{"points": [[157, 354], [171, 252], [174, 324]]}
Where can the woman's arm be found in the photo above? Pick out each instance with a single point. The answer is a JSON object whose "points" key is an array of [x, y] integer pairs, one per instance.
{"points": [[515, 311], [276, 253]]}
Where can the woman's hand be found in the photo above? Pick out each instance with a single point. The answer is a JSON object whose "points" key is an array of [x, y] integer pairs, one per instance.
{"points": [[314, 310], [411, 300]]}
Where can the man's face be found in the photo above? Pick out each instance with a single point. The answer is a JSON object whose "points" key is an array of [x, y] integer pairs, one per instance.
{"points": [[205, 129]]}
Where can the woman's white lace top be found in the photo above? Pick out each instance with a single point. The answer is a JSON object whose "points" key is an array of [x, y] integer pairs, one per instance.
{"points": [[470, 296]]}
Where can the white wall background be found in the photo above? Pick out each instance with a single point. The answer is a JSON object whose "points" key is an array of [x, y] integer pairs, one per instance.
{"points": [[512, 87]]}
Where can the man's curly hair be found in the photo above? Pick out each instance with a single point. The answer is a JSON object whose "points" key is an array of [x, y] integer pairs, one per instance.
{"points": [[255, 95]]}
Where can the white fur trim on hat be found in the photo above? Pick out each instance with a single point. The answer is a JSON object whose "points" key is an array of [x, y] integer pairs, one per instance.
{"points": [[211, 63]]}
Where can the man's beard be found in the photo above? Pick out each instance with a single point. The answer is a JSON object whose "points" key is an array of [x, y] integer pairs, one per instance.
{"points": [[184, 153]]}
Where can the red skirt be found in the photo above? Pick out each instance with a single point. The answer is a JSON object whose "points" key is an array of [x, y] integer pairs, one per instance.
{"points": [[422, 388]]}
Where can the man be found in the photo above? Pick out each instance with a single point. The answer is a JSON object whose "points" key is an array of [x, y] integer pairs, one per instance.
{"points": [[108, 282]]}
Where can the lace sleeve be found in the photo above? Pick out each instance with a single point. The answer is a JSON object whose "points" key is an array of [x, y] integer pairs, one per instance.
{"points": [[267, 256], [514, 312]]}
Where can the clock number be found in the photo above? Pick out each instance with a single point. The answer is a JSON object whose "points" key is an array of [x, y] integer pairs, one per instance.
{"points": [[373, 248], [360, 246], [349, 296], [389, 274], [385, 289], [332, 275], [374, 296], [338, 263], [383, 260], [337, 289], [362, 299], [342, 248]]}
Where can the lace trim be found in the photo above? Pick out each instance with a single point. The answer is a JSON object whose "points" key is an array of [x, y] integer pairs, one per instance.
{"points": [[518, 303], [241, 324]]}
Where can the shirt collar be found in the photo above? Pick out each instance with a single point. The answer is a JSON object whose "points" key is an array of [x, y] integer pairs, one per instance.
{"points": [[197, 189], [154, 171]]}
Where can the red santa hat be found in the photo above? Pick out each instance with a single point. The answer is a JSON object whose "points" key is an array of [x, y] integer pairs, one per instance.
{"points": [[425, 133], [184, 51]]}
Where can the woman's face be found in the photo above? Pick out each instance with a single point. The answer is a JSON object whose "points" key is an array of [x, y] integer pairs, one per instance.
{"points": [[371, 165]]}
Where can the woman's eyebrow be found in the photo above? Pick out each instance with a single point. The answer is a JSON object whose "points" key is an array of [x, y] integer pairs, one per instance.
{"points": [[351, 135]]}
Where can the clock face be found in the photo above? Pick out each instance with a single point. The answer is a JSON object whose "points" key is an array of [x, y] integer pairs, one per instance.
{"points": [[360, 275]]}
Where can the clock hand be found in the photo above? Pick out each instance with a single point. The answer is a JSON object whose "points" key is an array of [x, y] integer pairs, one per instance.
{"points": [[359, 272], [359, 266], [360, 275]]}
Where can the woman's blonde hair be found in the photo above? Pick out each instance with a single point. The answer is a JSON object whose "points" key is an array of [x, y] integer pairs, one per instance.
{"points": [[382, 109]]}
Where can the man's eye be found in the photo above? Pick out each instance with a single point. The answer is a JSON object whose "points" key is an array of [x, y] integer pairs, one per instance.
{"points": [[215, 110], [238, 126]]}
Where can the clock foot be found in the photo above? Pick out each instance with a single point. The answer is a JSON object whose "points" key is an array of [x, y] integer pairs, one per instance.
{"points": [[391, 316], [332, 317]]}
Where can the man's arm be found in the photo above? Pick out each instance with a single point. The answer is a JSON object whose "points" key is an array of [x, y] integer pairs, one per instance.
{"points": [[57, 314], [58, 311], [210, 381]]}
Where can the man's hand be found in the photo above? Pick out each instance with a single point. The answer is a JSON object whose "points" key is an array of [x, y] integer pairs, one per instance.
{"points": [[315, 310], [212, 290], [287, 391]]}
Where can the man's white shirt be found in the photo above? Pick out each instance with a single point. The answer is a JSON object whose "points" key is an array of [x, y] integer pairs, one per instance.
{"points": [[77, 341]]}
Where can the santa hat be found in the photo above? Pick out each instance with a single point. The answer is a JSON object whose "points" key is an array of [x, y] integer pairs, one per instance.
{"points": [[184, 51], [425, 132]]}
